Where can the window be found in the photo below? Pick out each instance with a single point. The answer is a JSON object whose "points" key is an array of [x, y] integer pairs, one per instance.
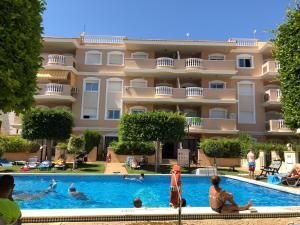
{"points": [[138, 83], [217, 84], [93, 58], [217, 113], [115, 58], [246, 102], [90, 98], [245, 61], [113, 114], [139, 55], [90, 113], [91, 86], [137, 109], [216, 57], [113, 105]]}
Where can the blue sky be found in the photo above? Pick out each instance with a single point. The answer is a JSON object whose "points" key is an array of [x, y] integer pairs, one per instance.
{"points": [[164, 19]]}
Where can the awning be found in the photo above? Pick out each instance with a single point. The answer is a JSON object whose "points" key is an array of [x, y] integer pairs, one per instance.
{"points": [[53, 75]]}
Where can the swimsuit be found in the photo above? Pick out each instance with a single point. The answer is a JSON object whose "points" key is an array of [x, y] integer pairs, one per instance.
{"points": [[219, 199]]}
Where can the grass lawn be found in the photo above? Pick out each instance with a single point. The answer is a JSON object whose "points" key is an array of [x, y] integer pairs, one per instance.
{"points": [[84, 168], [226, 171]]}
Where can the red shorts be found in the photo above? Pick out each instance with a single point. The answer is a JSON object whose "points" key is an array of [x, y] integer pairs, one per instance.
{"points": [[251, 168]]}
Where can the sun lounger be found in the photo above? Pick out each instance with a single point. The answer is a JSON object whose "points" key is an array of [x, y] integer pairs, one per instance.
{"points": [[4, 162], [60, 164], [272, 169], [33, 163], [45, 165]]}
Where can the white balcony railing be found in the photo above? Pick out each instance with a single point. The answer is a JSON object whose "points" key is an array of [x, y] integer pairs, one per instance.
{"points": [[164, 62], [56, 59], [54, 88], [163, 90], [281, 124], [194, 121], [193, 62], [98, 39], [194, 91], [244, 41], [278, 93]]}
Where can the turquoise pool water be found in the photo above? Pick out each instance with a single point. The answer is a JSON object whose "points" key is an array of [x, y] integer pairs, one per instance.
{"points": [[115, 192]]}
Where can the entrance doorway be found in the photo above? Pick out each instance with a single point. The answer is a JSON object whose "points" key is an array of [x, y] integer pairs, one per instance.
{"points": [[169, 151], [107, 141]]}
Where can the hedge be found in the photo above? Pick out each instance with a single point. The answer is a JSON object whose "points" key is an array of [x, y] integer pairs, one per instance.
{"points": [[152, 126], [92, 139], [17, 144], [133, 148], [221, 148]]}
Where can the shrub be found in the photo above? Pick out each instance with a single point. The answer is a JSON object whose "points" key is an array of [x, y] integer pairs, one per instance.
{"points": [[133, 148], [92, 139], [62, 146], [247, 143], [268, 147], [152, 126], [17, 144], [222, 148], [75, 144]]}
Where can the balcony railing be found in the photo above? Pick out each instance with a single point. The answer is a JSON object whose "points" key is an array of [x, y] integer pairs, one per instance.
{"points": [[194, 121], [163, 90], [54, 88], [222, 125], [193, 62], [98, 39], [56, 59], [194, 91], [278, 126], [270, 67], [244, 41], [164, 62]]}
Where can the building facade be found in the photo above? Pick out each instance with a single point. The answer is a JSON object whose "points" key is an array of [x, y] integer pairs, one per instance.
{"points": [[223, 87]]}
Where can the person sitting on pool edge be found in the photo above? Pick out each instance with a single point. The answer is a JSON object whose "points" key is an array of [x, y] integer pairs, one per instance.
{"points": [[137, 202], [218, 198], [79, 195], [9, 210]]}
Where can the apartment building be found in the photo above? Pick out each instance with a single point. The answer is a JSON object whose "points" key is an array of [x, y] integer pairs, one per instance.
{"points": [[223, 87]]}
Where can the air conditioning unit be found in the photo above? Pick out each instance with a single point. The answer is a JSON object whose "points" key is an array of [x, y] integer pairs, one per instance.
{"points": [[232, 116]]}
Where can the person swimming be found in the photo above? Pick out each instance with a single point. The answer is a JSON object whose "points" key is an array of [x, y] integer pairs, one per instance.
{"points": [[74, 193], [28, 197], [140, 178]]}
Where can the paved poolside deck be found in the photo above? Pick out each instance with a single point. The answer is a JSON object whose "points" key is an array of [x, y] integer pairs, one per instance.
{"points": [[277, 221], [113, 168]]}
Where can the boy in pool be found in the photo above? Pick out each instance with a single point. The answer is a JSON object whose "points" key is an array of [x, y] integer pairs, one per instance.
{"points": [[27, 197], [79, 195], [218, 198]]}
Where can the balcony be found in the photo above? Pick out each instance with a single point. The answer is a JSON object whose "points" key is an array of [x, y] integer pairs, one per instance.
{"points": [[270, 69], [175, 67], [277, 127], [53, 92], [57, 61], [164, 94], [272, 98], [210, 125]]}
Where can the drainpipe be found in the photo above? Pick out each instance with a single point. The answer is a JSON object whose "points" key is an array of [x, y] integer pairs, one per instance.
{"points": [[178, 82]]}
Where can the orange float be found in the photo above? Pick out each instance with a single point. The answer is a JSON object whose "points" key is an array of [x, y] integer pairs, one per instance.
{"points": [[175, 189]]}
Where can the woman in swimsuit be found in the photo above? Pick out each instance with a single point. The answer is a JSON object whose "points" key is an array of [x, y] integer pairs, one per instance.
{"points": [[218, 198]]}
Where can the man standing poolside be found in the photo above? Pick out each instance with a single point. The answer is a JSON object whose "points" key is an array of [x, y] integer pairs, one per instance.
{"points": [[9, 210], [251, 164], [218, 198]]}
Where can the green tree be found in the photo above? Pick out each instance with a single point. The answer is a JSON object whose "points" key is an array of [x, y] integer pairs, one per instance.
{"points": [[20, 47], [92, 138], [287, 52], [156, 126], [75, 146], [49, 124]]}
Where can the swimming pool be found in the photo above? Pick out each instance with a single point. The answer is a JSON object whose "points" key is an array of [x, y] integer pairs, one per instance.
{"points": [[115, 192]]}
